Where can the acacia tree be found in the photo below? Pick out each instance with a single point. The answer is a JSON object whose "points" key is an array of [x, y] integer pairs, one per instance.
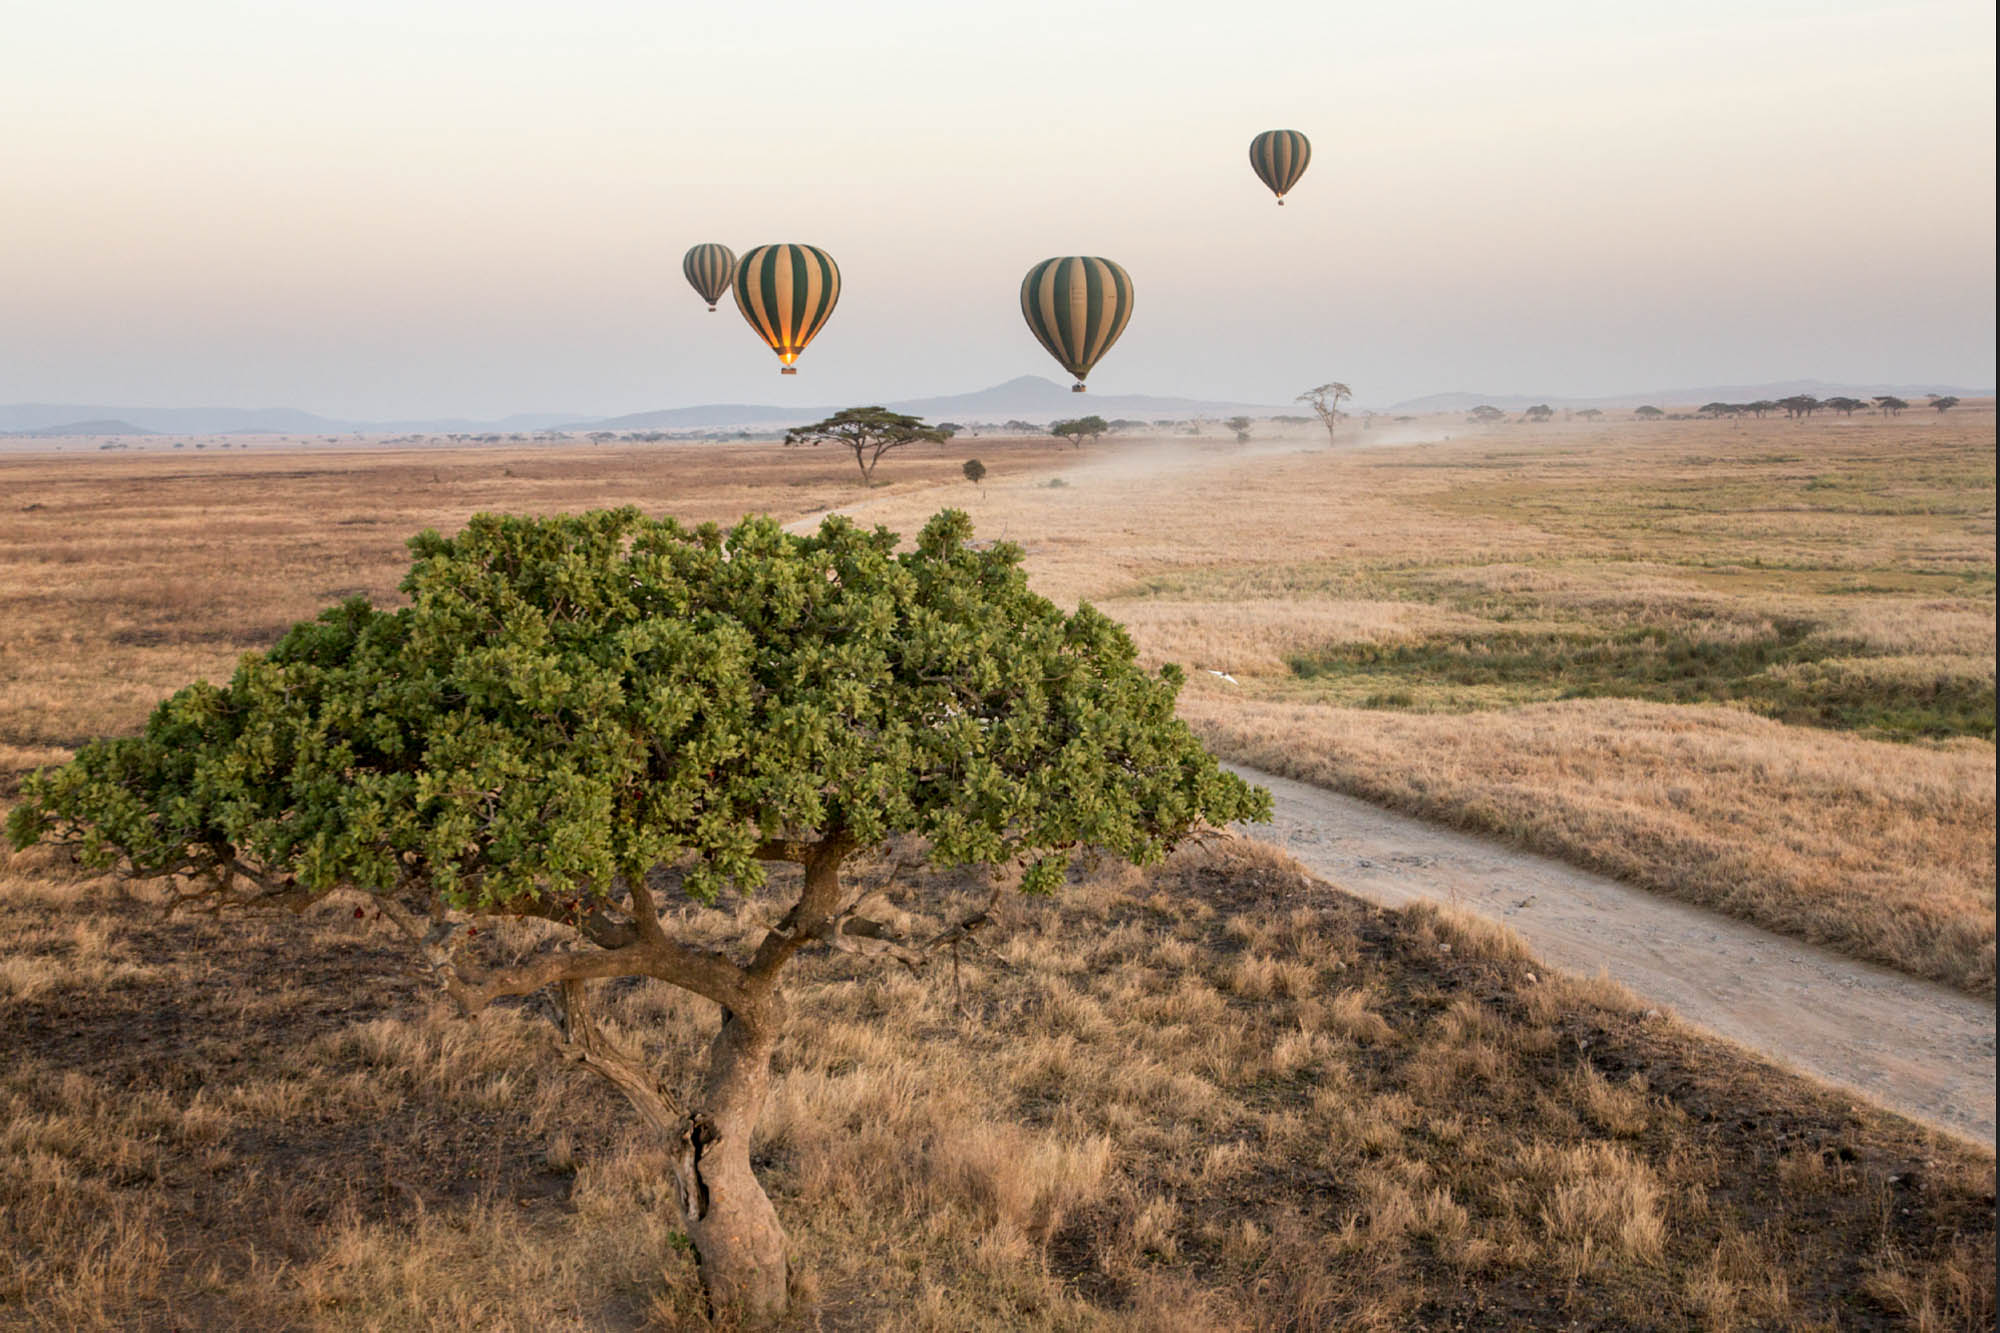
{"points": [[1944, 402], [870, 432], [1889, 404], [1486, 414], [1847, 407], [975, 471], [1325, 400], [1539, 412], [1648, 412], [577, 717], [1080, 429], [1241, 425]]}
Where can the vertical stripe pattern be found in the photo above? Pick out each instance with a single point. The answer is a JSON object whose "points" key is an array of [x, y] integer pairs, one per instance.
{"points": [[1076, 306], [1279, 158], [710, 269], [787, 292]]}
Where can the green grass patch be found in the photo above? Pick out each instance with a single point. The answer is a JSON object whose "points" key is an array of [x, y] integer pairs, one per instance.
{"points": [[1789, 671]]}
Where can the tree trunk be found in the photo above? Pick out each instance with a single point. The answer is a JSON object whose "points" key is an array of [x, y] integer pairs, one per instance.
{"points": [[729, 1217]]}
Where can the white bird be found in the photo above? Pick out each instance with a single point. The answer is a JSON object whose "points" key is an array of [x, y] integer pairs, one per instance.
{"points": [[1224, 674]]}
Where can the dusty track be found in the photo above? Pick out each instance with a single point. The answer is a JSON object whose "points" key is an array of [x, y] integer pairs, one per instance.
{"points": [[1919, 1048]]}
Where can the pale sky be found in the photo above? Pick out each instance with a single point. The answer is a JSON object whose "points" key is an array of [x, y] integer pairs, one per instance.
{"points": [[399, 208]]}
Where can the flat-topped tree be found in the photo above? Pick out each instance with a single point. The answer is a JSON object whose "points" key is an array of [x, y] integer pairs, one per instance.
{"points": [[870, 432], [1079, 430], [579, 716]]}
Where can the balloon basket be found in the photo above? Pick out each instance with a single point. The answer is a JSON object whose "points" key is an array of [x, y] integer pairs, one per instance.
{"points": [[788, 370], [1076, 387]]}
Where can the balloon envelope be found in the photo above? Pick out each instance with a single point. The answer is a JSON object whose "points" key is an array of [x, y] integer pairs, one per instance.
{"points": [[787, 292], [1077, 305], [1279, 158], [710, 269]]}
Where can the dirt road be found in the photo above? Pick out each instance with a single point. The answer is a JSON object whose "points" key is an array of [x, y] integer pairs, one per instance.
{"points": [[1919, 1048]]}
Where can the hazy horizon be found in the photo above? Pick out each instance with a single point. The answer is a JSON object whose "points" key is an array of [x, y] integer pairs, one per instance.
{"points": [[418, 210]]}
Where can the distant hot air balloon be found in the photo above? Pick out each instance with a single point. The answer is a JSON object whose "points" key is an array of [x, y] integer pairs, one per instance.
{"points": [[1279, 158], [787, 292], [710, 269], [1077, 305]]}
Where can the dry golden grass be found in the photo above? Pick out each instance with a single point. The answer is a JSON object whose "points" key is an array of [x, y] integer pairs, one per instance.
{"points": [[1213, 1097], [1870, 541]]}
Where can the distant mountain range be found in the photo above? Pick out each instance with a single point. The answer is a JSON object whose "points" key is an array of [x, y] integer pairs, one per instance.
{"points": [[71, 418], [1026, 398], [1714, 393]]}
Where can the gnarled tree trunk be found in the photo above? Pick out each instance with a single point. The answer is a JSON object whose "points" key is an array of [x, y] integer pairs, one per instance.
{"points": [[730, 1220]]}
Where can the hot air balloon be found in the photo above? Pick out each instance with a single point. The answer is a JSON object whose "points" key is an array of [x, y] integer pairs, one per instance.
{"points": [[787, 292], [1077, 305], [710, 269], [1279, 158]]}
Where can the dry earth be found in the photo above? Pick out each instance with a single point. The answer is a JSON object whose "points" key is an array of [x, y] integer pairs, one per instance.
{"points": [[1218, 1096]]}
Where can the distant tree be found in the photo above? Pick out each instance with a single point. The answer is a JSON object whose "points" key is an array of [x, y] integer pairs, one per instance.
{"points": [[1889, 404], [1126, 423], [1944, 402], [869, 432], [1019, 427], [950, 428], [975, 471], [1589, 414], [667, 712], [1486, 414], [1167, 423], [602, 436], [1716, 409], [1539, 412], [1845, 406], [1077, 431], [1241, 425], [1800, 405], [1648, 412], [1325, 400]]}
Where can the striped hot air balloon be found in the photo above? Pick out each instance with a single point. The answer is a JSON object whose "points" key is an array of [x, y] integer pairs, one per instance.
{"points": [[1279, 157], [787, 292], [710, 268], [1077, 305]]}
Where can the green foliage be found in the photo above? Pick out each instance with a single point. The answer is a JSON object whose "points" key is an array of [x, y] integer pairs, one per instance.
{"points": [[575, 698], [1792, 671], [975, 471], [870, 432], [1241, 425], [1077, 431]]}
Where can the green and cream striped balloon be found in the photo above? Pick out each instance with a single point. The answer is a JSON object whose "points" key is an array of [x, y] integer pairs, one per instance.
{"points": [[1279, 158], [710, 269], [787, 292], [1077, 305]]}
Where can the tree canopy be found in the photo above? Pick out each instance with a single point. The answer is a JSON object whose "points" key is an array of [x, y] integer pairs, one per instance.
{"points": [[1080, 429], [1241, 425], [869, 432], [1325, 400], [577, 714]]}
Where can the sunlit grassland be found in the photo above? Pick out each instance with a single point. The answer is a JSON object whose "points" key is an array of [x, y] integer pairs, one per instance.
{"points": [[1212, 1096], [1748, 664]]}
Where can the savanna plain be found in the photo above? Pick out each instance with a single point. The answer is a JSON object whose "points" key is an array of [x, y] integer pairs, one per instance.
{"points": [[1748, 664]]}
